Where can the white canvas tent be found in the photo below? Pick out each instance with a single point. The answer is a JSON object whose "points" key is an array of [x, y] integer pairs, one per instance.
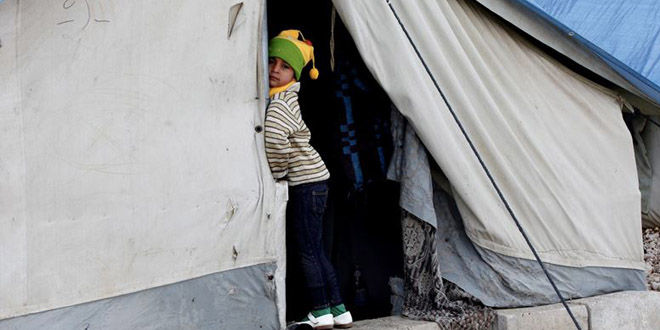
{"points": [[129, 153], [133, 168], [554, 142]]}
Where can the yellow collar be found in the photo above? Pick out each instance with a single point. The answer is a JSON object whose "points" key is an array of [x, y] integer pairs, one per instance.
{"points": [[280, 89]]}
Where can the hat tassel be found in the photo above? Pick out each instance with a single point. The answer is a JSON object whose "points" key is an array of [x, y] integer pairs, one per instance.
{"points": [[314, 72]]}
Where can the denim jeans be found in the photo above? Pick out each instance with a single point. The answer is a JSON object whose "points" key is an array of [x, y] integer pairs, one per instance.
{"points": [[306, 206]]}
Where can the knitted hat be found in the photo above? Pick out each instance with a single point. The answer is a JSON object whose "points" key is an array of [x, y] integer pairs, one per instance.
{"points": [[296, 52]]}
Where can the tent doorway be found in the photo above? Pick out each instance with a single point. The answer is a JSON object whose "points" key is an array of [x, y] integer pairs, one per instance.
{"points": [[348, 114]]}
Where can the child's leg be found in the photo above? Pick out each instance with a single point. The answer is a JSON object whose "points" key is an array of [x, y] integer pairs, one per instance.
{"points": [[307, 203], [330, 281]]}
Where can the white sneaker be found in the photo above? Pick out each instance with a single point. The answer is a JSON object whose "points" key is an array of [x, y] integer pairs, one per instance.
{"points": [[343, 321], [323, 322]]}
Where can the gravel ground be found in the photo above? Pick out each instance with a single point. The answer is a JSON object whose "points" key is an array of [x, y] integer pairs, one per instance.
{"points": [[652, 257]]}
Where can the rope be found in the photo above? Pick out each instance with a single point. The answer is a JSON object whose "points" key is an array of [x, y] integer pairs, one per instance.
{"points": [[485, 168], [333, 19]]}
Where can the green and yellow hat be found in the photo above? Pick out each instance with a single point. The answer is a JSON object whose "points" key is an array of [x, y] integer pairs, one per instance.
{"points": [[291, 46]]}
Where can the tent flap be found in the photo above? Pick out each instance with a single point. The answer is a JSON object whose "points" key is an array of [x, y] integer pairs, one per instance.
{"points": [[553, 141]]}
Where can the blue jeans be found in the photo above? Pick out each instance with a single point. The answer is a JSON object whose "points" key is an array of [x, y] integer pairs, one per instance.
{"points": [[306, 206]]}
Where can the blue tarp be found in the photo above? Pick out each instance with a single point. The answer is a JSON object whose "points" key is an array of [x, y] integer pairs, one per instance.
{"points": [[624, 33]]}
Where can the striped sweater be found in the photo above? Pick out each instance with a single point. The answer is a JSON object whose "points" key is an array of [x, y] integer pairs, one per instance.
{"points": [[289, 153]]}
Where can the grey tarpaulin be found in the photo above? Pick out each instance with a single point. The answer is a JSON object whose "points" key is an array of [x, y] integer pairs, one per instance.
{"points": [[410, 167], [242, 298], [497, 280], [503, 281]]}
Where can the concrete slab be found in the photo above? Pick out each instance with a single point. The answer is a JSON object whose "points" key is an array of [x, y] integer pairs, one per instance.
{"points": [[629, 310], [394, 323], [633, 310], [548, 317]]}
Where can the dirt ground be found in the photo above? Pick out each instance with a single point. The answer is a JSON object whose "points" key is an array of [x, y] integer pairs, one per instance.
{"points": [[652, 257]]}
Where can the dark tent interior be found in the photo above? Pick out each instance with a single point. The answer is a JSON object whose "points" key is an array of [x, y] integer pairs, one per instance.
{"points": [[348, 114]]}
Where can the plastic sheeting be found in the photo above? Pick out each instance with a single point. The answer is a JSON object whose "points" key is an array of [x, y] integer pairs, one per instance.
{"points": [[129, 153], [554, 142], [621, 34], [539, 25], [628, 30]]}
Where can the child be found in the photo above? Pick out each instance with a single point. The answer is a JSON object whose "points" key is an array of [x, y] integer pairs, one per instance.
{"points": [[292, 158]]}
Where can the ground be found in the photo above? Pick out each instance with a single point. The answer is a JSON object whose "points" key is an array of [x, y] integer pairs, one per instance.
{"points": [[652, 257]]}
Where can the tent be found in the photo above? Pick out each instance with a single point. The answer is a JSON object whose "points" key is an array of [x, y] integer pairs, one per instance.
{"points": [[131, 160], [615, 40], [622, 34], [134, 192], [501, 87]]}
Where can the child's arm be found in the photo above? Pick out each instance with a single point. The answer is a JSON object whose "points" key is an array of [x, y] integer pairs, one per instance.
{"points": [[277, 130]]}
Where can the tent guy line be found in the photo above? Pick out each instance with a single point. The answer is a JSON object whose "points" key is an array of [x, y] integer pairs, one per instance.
{"points": [[484, 167]]}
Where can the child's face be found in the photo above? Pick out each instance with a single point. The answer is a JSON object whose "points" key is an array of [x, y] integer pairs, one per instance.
{"points": [[280, 72]]}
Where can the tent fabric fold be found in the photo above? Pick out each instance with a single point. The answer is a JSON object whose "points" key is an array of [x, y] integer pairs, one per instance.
{"points": [[554, 142], [647, 135], [496, 280]]}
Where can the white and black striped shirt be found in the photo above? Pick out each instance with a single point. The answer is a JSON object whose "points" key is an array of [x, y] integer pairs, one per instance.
{"points": [[289, 153]]}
